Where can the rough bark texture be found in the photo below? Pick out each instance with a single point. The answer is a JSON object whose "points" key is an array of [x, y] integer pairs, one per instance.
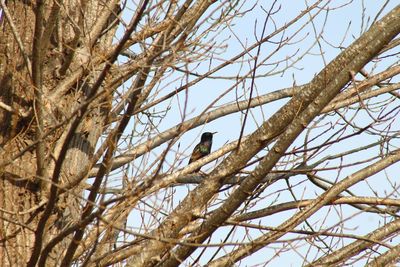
{"points": [[23, 192]]}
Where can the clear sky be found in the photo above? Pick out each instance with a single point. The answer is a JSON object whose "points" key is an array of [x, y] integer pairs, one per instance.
{"points": [[338, 25]]}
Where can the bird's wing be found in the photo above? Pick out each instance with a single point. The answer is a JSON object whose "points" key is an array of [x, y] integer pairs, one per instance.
{"points": [[199, 151]]}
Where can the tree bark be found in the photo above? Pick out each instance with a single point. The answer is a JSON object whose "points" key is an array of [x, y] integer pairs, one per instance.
{"points": [[54, 48]]}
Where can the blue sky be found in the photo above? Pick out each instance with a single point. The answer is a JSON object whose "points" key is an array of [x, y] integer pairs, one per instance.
{"points": [[339, 24]]}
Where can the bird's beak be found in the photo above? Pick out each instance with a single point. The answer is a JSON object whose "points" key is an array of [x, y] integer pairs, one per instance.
{"points": [[214, 133]]}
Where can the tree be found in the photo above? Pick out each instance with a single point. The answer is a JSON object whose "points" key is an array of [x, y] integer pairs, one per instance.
{"points": [[92, 173]]}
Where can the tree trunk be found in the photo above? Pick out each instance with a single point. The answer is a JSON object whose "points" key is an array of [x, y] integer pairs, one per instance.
{"points": [[63, 49]]}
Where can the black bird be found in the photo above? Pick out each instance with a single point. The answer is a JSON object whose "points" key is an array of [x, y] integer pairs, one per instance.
{"points": [[203, 148]]}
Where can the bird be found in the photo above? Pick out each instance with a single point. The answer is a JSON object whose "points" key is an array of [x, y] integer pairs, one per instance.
{"points": [[203, 148]]}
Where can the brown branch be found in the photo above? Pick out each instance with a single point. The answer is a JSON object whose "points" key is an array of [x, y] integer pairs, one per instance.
{"points": [[388, 258], [304, 203], [341, 255], [366, 51], [57, 169], [37, 79], [306, 105], [16, 36]]}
